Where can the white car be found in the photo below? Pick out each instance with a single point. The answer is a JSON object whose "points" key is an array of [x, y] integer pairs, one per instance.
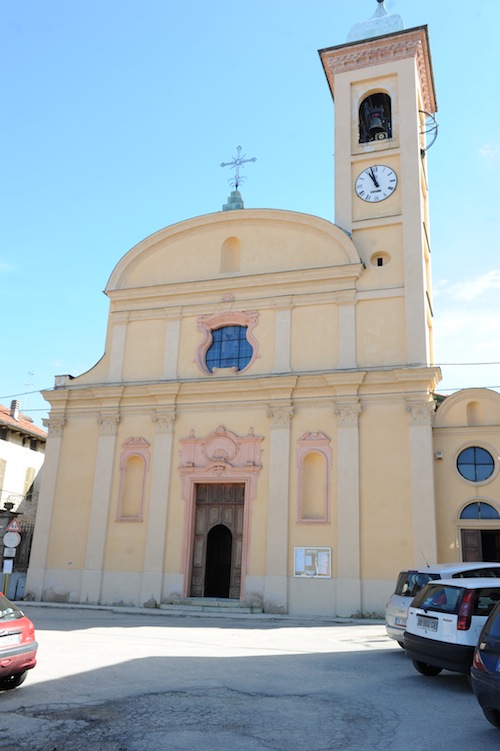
{"points": [[411, 581], [444, 623]]}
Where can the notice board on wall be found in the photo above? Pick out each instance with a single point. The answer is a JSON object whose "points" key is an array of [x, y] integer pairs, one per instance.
{"points": [[313, 563]]}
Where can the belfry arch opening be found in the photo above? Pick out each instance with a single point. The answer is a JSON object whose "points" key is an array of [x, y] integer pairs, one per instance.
{"points": [[375, 118]]}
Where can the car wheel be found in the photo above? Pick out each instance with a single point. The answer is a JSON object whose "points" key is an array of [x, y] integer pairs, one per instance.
{"points": [[401, 644], [426, 669], [13, 681], [493, 716]]}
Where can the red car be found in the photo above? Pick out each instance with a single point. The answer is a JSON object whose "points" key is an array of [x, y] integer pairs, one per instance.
{"points": [[17, 645]]}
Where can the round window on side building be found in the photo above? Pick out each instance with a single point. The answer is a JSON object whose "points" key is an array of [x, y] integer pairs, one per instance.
{"points": [[475, 464]]}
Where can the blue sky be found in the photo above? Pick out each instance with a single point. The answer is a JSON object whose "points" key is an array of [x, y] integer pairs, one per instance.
{"points": [[118, 113]]}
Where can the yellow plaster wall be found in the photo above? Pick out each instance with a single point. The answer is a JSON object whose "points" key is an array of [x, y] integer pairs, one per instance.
{"points": [[125, 545], [385, 489], [383, 241], [380, 332], [315, 338], [144, 350], [72, 504]]}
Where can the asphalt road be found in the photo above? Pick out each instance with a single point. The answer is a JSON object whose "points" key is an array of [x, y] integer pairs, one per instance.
{"points": [[115, 681]]}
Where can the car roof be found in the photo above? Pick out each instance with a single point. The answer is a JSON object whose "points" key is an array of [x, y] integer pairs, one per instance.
{"points": [[474, 582], [438, 568]]}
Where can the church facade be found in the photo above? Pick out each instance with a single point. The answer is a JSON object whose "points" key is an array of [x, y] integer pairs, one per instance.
{"points": [[264, 425]]}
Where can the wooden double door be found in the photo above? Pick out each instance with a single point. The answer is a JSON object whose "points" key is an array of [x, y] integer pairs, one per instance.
{"points": [[218, 540], [481, 544]]}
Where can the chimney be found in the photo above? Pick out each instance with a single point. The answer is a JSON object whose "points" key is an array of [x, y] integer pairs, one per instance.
{"points": [[14, 409]]}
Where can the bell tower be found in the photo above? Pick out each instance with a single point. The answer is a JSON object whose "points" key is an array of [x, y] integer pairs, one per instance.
{"points": [[382, 84]]}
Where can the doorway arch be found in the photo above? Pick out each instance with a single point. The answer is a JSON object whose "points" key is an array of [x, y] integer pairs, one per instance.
{"points": [[218, 562]]}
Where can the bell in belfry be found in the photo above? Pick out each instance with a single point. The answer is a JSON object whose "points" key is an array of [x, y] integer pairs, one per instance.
{"points": [[376, 124]]}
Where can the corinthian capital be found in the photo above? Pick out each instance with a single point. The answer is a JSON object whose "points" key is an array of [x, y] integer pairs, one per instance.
{"points": [[419, 412], [347, 413], [164, 421], [56, 425], [280, 416], [108, 423]]}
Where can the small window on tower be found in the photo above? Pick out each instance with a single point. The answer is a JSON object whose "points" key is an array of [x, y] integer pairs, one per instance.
{"points": [[375, 121]]}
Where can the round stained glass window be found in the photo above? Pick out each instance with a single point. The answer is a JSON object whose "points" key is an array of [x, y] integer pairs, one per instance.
{"points": [[475, 464]]}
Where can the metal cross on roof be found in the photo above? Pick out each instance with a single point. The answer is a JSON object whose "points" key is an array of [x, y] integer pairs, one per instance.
{"points": [[235, 164]]}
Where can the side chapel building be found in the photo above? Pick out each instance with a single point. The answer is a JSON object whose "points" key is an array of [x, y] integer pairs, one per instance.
{"points": [[262, 426]]}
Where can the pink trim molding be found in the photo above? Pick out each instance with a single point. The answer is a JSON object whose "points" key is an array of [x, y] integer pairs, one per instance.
{"points": [[133, 447], [313, 443]]}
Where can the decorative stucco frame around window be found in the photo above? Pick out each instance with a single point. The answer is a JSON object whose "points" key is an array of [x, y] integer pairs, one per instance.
{"points": [[134, 447], [207, 323]]}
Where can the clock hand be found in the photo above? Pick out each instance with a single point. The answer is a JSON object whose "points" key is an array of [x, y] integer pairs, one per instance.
{"points": [[372, 175]]}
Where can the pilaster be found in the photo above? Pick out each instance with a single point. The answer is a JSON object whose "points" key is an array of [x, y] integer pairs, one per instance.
{"points": [[35, 579], [420, 413], [276, 582], [101, 498], [172, 340], [347, 412], [283, 329], [152, 577], [117, 352]]}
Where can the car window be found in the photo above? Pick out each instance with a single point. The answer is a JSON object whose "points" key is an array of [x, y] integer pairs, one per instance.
{"points": [[411, 582], [492, 627], [8, 611], [478, 572], [485, 600], [439, 597]]}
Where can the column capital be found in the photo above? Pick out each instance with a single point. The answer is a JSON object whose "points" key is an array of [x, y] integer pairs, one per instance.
{"points": [[348, 412], [164, 420], [280, 416], [108, 422], [420, 411], [56, 425]]}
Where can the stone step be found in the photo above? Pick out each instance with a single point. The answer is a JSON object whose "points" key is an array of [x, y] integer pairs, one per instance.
{"points": [[221, 606]]}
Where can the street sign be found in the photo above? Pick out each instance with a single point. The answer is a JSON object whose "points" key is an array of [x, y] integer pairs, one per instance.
{"points": [[14, 526], [11, 539]]}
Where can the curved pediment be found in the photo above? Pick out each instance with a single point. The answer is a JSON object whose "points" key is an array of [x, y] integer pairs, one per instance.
{"points": [[469, 407], [235, 243]]}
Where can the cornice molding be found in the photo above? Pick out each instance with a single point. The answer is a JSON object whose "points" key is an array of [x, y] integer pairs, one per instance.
{"points": [[405, 45]]}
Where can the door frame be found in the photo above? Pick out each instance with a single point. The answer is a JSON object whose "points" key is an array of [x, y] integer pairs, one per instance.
{"points": [[235, 524], [224, 457], [189, 526], [474, 525]]}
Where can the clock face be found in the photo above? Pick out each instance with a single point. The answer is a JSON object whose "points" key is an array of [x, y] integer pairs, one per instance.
{"points": [[376, 183]]}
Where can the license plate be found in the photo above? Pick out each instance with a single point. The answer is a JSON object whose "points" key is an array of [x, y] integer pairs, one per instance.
{"points": [[9, 639], [430, 624], [400, 621]]}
